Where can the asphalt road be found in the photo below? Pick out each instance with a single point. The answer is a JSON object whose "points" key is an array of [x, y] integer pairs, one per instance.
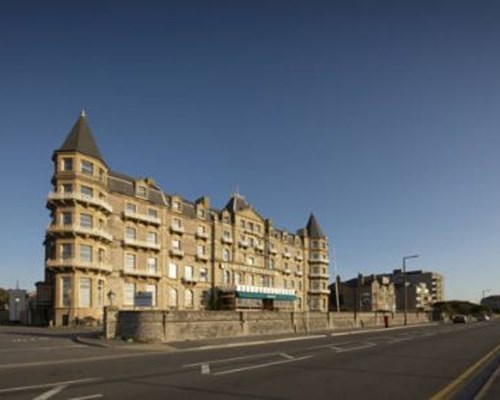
{"points": [[414, 363]]}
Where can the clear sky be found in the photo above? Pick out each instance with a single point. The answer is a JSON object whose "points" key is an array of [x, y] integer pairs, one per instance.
{"points": [[382, 117]]}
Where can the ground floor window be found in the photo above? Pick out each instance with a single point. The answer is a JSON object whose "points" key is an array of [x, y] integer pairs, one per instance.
{"points": [[128, 294], [152, 289], [172, 298], [85, 292], [66, 291]]}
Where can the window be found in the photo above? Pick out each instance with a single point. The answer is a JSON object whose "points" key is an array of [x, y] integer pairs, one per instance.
{"points": [[300, 285], [87, 168], [227, 234], [152, 289], [172, 271], [176, 205], [250, 226], [67, 164], [85, 253], [203, 275], [85, 221], [86, 191], [101, 174], [250, 261], [131, 207], [271, 263], [201, 229], [292, 282], [257, 228], [315, 244], [237, 278], [152, 237], [67, 218], [226, 255], [227, 277], [153, 212], [85, 292], [188, 273], [315, 256], [177, 223], [200, 249], [252, 242], [201, 213], [128, 294], [172, 297], [242, 223], [130, 233], [66, 291], [100, 256], [129, 262], [152, 265], [176, 244], [285, 283], [142, 191], [188, 298], [100, 292], [67, 251], [67, 188], [251, 280]]}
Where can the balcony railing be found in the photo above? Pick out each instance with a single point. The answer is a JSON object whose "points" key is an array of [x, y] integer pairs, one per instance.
{"points": [[287, 255], [299, 273], [272, 250], [202, 235], [189, 280], [76, 263], [202, 256], [141, 243], [177, 229], [82, 198], [299, 258], [177, 252], [227, 240], [319, 291], [244, 243], [141, 217], [319, 275], [142, 272], [96, 232]]}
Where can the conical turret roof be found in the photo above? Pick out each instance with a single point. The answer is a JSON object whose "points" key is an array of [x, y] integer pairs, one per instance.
{"points": [[81, 139], [236, 203], [313, 229]]}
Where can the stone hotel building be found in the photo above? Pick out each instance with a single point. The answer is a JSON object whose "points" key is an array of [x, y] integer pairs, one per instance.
{"points": [[113, 237]]}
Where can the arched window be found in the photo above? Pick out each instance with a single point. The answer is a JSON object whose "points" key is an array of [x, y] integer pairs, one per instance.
{"points": [[237, 278], [188, 299], [226, 255], [172, 298], [227, 277]]}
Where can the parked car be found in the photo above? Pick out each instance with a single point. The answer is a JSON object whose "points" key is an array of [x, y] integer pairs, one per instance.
{"points": [[459, 319]]}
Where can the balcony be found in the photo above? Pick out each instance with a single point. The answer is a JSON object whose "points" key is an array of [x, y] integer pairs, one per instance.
{"points": [[322, 275], [318, 260], [77, 229], [73, 196], [142, 272], [202, 257], [287, 255], [177, 253], [202, 235], [299, 273], [299, 258], [273, 251], [227, 240], [259, 247], [76, 263], [177, 229], [142, 217], [141, 243], [189, 280], [318, 291], [287, 271], [244, 243]]}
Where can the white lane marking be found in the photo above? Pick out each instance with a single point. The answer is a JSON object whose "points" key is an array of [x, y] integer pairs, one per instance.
{"points": [[72, 346], [48, 385], [256, 343], [232, 371], [50, 393], [92, 396], [327, 346], [230, 359], [287, 356], [366, 345]]}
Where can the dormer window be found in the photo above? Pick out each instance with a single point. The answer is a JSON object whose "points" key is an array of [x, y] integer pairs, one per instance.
{"points": [[142, 191], [87, 168], [176, 205], [200, 213]]}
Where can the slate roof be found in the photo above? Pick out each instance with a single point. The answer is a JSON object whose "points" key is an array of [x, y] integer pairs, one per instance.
{"points": [[313, 228], [81, 139], [236, 203]]}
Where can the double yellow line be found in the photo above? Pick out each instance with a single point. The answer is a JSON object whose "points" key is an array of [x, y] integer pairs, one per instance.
{"points": [[450, 390]]}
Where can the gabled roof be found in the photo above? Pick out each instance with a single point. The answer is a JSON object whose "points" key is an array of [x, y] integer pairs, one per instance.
{"points": [[313, 229], [81, 139]]}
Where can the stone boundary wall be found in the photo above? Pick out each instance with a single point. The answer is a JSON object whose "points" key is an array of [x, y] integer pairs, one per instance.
{"points": [[169, 326]]}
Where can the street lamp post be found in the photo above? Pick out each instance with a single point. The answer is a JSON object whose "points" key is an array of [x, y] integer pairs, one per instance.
{"points": [[483, 292], [405, 289]]}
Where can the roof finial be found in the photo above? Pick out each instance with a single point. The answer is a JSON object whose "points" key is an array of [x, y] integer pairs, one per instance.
{"points": [[82, 113]]}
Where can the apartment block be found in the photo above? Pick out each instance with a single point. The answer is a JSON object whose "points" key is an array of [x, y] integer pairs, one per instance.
{"points": [[433, 282], [113, 237]]}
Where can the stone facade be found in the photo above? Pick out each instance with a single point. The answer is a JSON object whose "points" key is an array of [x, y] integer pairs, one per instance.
{"points": [[169, 326], [113, 236]]}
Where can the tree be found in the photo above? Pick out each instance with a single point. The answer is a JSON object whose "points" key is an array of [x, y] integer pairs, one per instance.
{"points": [[4, 298]]}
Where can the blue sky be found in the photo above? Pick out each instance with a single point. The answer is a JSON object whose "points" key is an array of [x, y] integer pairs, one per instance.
{"points": [[381, 117]]}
